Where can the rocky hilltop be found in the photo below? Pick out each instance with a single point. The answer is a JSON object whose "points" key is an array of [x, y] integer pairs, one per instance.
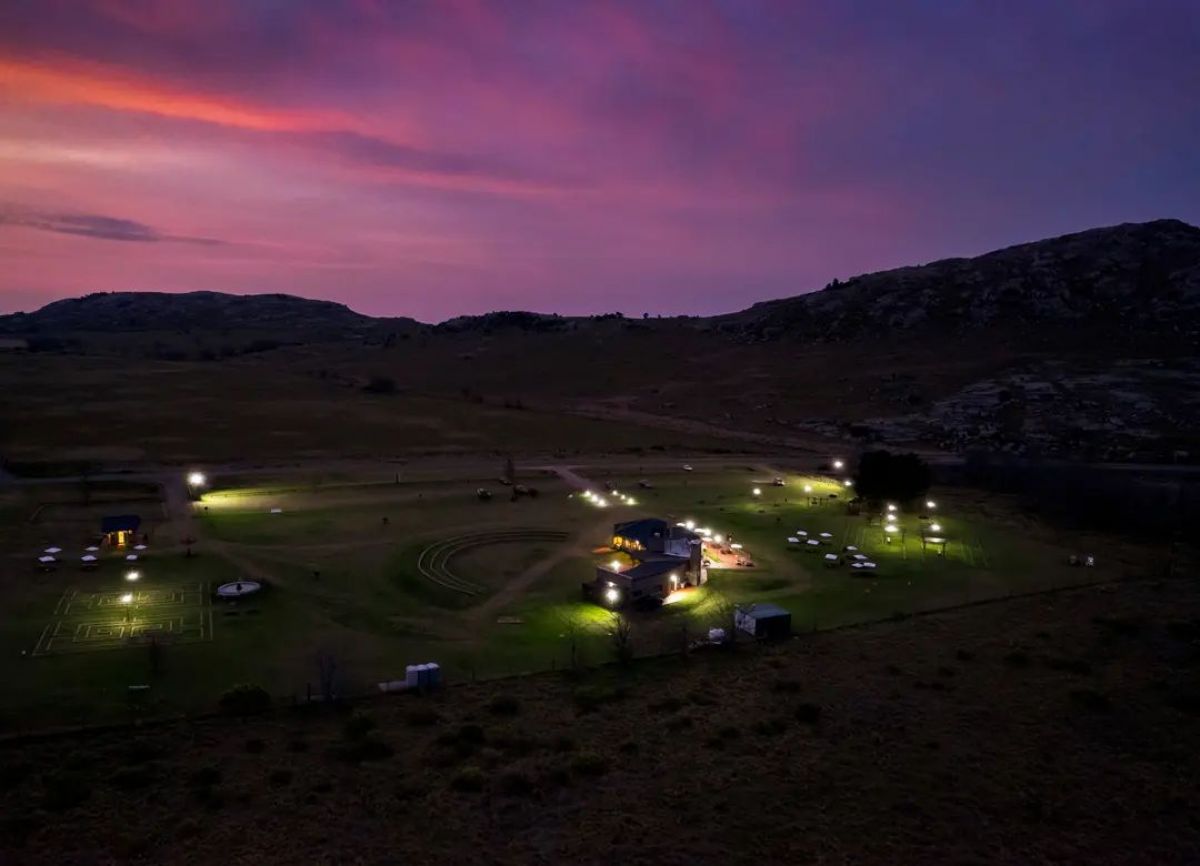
{"points": [[1135, 276]]}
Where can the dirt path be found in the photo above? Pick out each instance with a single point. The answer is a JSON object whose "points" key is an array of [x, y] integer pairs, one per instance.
{"points": [[578, 545]]}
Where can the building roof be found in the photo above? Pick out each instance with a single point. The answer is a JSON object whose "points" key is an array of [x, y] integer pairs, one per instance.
{"points": [[120, 523], [642, 529], [653, 567], [764, 610]]}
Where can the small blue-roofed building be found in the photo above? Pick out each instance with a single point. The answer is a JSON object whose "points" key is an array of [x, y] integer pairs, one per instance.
{"points": [[119, 529]]}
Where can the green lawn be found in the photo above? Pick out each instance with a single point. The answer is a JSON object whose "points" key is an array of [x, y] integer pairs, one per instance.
{"points": [[346, 583]]}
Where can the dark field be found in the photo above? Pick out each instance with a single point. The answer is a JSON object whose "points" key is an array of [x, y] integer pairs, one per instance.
{"points": [[1052, 729]]}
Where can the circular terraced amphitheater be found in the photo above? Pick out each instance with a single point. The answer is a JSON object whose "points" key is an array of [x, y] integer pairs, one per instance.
{"points": [[434, 561]]}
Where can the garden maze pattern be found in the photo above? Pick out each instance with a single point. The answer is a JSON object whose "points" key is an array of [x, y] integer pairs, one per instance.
{"points": [[94, 621], [433, 563]]}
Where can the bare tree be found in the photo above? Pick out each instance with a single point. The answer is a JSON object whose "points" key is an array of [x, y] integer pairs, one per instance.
{"points": [[510, 471], [620, 636], [572, 632], [721, 610], [327, 676]]}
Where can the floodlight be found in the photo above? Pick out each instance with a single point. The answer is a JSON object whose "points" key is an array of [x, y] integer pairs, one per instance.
{"points": [[838, 464], [615, 565], [758, 491], [612, 594], [132, 576], [930, 504], [127, 598], [196, 479]]}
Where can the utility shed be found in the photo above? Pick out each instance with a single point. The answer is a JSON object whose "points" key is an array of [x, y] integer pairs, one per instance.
{"points": [[763, 620]]}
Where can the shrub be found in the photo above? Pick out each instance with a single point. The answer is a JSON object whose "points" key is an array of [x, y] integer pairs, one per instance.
{"points": [[364, 749], [471, 734], [785, 686], [667, 705], [564, 744], [246, 699], [590, 697], [65, 791], [280, 778], [132, 778], [423, 717], [358, 726], [504, 705], [380, 385], [1074, 666], [1017, 659], [770, 727], [1089, 699], [255, 746], [629, 747], [809, 714], [298, 745], [205, 777], [516, 783], [468, 779], [964, 655], [589, 764]]}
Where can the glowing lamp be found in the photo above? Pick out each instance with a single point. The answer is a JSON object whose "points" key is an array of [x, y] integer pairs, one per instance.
{"points": [[615, 565], [612, 594], [132, 576], [758, 491], [936, 527], [196, 479], [808, 488], [930, 504], [127, 598], [847, 483], [838, 464]]}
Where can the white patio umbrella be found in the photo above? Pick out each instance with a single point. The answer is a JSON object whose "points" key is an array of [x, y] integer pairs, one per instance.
{"points": [[827, 535], [793, 539], [131, 557], [139, 547], [46, 560], [91, 549], [53, 550], [813, 542], [87, 557]]}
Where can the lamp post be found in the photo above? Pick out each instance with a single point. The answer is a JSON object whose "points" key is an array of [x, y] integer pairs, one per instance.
{"points": [[196, 481]]}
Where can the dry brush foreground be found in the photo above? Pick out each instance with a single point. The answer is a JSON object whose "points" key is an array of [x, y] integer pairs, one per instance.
{"points": [[1060, 728]]}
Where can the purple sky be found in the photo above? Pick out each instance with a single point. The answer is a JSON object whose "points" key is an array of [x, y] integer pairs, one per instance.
{"points": [[438, 158]]}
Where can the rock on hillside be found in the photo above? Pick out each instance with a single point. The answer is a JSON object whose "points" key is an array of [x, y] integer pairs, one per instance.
{"points": [[1143, 276]]}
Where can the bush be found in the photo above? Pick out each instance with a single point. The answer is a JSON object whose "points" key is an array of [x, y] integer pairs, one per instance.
{"points": [[358, 726], [280, 778], [883, 475], [132, 778], [255, 746], [504, 705], [516, 783], [769, 727], [205, 777], [380, 385], [423, 717], [246, 699], [1089, 699], [468, 779], [471, 734], [589, 764], [1017, 659], [809, 714], [65, 791], [364, 749], [785, 686]]}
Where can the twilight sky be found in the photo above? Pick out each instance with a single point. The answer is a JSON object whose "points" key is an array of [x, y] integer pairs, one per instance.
{"points": [[438, 157]]}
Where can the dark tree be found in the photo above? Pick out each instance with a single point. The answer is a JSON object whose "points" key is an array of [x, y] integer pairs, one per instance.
{"points": [[380, 385], [884, 475]]}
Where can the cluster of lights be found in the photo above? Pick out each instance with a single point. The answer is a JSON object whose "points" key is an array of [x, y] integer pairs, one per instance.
{"points": [[602, 502]]}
